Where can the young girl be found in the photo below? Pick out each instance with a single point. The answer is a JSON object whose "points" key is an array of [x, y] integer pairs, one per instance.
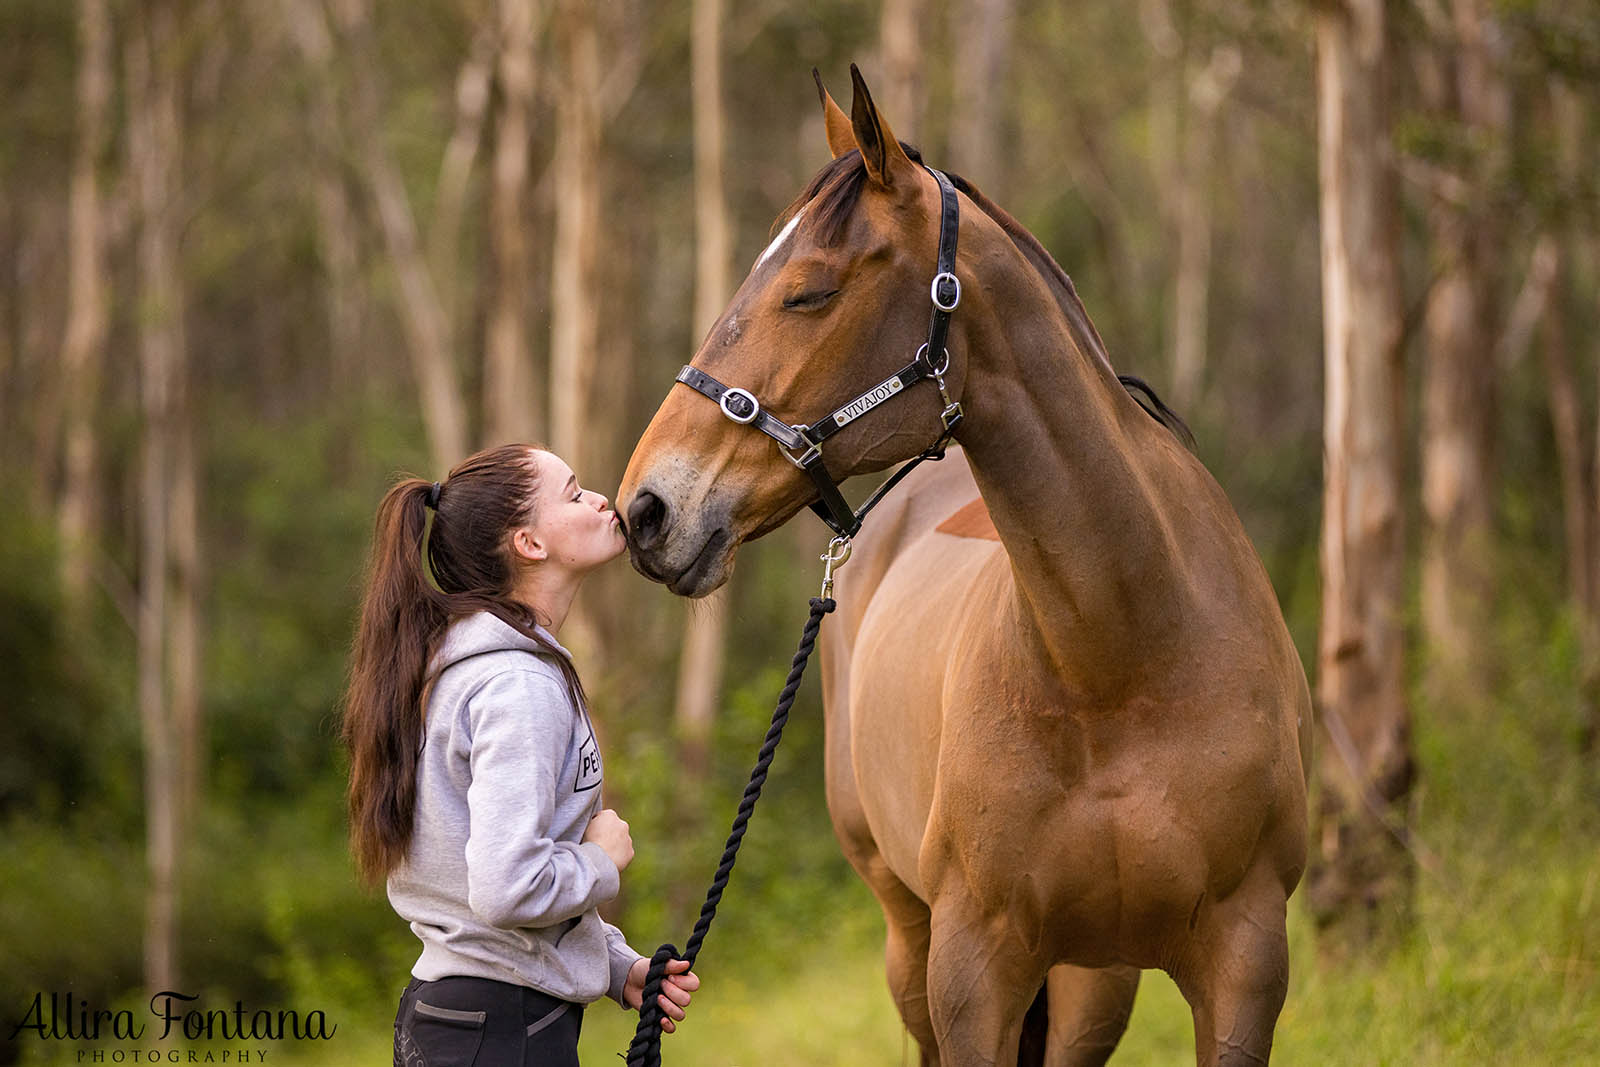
{"points": [[475, 781]]}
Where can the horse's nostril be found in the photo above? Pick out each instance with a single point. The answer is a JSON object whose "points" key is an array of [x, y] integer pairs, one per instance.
{"points": [[647, 518]]}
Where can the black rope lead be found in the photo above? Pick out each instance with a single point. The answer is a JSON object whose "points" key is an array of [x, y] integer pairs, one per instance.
{"points": [[645, 1051]]}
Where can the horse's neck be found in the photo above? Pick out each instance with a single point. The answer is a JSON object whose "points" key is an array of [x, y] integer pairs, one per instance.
{"points": [[1059, 463]]}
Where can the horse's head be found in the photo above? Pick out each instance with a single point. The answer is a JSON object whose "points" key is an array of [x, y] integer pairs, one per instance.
{"points": [[837, 303]]}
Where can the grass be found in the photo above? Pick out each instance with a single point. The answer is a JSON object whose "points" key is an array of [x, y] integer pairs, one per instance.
{"points": [[1502, 969], [1502, 966]]}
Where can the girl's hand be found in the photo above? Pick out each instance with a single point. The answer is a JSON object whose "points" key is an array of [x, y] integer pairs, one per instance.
{"points": [[679, 983], [609, 832]]}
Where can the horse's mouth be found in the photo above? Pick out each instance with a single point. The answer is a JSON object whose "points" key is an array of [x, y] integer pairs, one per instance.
{"points": [[692, 581]]}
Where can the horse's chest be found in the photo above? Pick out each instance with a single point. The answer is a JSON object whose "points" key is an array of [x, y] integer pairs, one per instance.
{"points": [[943, 708]]}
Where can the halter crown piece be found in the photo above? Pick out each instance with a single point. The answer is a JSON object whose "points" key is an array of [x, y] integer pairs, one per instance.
{"points": [[433, 496], [742, 406]]}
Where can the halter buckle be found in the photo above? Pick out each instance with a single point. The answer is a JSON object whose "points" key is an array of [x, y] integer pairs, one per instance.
{"points": [[944, 282], [808, 457], [740, 405]]}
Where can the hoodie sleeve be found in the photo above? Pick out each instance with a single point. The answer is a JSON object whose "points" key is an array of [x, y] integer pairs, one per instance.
{"points": [[622, 957], [522, 725]]}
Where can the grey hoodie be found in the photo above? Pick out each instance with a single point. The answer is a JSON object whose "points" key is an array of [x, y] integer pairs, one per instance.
{"points": [[497, 883]]}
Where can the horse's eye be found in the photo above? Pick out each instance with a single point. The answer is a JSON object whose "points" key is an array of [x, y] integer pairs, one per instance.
{"points": [[809, 301]]}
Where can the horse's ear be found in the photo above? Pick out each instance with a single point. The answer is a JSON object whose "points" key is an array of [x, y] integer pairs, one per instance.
{"points": [[840, 137], [885, 159]]}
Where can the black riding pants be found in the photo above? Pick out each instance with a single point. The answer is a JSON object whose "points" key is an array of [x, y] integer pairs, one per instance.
{"points": [[460, 1022]]}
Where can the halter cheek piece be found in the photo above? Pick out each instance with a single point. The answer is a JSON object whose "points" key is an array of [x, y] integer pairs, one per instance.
{"points": [[801, 444]]}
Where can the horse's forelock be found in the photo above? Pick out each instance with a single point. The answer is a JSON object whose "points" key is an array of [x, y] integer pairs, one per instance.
{"points": [[835, 191]]}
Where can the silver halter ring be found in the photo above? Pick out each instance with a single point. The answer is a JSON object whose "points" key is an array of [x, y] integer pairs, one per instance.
{"points": [[939, 371]]}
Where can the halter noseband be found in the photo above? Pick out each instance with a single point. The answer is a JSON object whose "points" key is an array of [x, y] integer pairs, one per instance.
{"points": [[742, 406]]}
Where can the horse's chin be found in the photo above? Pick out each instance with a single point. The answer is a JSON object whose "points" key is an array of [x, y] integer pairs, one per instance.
{"points": [[697, 583], [707, 572]]}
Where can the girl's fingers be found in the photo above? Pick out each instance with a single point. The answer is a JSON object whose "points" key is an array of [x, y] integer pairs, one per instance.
{"points": [[675, 993], [690, 981]]}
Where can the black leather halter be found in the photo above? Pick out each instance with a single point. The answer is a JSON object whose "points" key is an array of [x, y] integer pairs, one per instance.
{"points": [[801, 444]]}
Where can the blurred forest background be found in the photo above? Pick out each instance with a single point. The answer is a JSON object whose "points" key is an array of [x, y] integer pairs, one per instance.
{"points": [[257, 258]]}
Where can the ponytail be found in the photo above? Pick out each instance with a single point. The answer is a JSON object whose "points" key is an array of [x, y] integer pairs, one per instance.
{"points": [[402, 620]]}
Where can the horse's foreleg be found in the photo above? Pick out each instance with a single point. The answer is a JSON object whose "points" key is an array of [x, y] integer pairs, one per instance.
{"points": [[1236, 974], [981, 980], [1088, 1012], [906, 959]]}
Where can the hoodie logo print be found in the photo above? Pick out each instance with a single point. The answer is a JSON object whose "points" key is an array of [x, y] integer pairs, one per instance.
{"points": [[588, 762]]}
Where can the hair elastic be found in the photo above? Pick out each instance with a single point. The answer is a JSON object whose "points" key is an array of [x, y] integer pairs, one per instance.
{"points": [[433, 496]]}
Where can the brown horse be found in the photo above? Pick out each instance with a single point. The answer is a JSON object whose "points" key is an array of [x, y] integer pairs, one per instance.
{"points": [[1067, 729]]}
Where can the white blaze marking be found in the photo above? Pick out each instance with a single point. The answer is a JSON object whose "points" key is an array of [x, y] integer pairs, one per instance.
{"points": [[783, 235]]}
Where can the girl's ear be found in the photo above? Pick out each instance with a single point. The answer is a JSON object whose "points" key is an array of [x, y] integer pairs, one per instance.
{"points": [[526, 544]]}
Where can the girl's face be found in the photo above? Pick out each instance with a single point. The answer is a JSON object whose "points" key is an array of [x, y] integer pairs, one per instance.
{"points": [[573, 528]]}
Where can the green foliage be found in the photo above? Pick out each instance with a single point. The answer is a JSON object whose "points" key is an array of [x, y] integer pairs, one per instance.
{"points": [[285, 594], [62, 739], [70, 912]]}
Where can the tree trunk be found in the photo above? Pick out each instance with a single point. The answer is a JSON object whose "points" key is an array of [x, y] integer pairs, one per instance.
{"points": [[575, 296], [705, 633], [422, 313], [1575, 252], [1566, 420], [341, 263], [1590, 724], [1361, 879], [337, 235], [185, 651], [154, 151], [1458, 389], [455, 169], [11, 390], [900, 89], [981, 65], [510, 390], [1207, 90], [82, 352]]}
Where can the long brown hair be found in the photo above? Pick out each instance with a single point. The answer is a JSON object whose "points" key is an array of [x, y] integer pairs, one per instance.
{"points": [[466, 549]]}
